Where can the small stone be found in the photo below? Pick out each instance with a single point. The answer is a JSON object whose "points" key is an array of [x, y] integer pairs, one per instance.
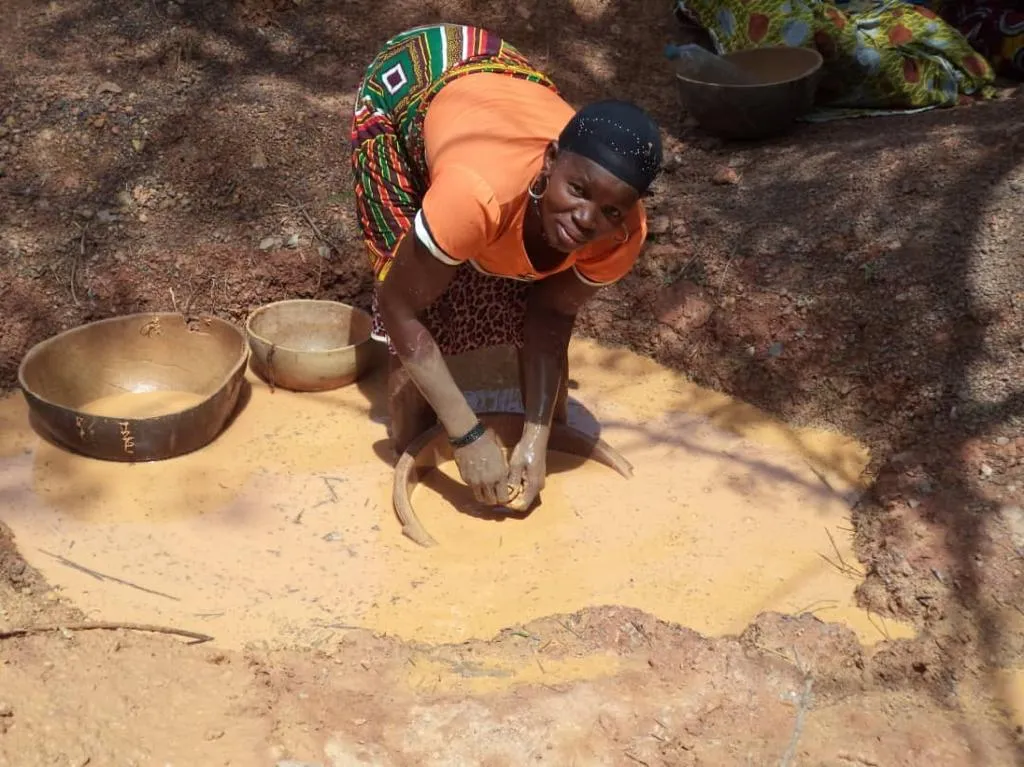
{"points": [[985, 470], [292, 241], [258, 160], [913, 503], [108, 87], [332, 537], [106, 216], [726, 176], [1002, 441], [214, 734], [143, 217], [775, 350], [85, 213], [271, 242], [524, 11]]}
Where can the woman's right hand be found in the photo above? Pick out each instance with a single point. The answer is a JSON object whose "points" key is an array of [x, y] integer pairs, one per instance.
{"points": [[484, 468]]}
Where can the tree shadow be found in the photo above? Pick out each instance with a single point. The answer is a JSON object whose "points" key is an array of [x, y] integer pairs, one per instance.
{"points": [[873, 301]]}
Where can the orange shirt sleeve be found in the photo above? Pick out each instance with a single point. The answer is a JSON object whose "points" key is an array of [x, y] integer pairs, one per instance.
{"points": [[611, 264], [459, 216]]}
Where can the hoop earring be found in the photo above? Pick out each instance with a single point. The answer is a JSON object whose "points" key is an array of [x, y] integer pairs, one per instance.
{"points": [[536, 196], [625, 235]]}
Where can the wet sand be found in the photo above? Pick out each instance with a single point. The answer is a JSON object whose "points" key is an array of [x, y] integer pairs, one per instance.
{"points": [[282, 529]]}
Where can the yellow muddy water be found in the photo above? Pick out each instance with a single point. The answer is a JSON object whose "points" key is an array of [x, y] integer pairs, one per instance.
{"points": [[282, 529], [146, 404]]}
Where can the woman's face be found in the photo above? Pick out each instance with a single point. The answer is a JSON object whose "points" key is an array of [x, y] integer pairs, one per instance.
{"points": [[583, 201]]}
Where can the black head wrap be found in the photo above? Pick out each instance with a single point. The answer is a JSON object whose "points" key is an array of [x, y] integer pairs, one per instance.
{"points": [[620, 137]]}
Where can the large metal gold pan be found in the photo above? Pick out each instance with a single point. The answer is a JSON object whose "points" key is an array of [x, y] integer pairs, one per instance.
{"points": [[132, 353], [432, 448]]}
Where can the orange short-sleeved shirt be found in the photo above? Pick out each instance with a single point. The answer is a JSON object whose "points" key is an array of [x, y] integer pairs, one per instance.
{"points": [[485, 136]]}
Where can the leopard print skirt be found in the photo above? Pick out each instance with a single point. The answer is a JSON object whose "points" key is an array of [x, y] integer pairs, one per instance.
{"points": [[475, 311]]}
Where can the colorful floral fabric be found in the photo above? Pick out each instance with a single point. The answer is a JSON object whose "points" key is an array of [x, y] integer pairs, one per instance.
{"points": [[994, 27], [879, 54]]}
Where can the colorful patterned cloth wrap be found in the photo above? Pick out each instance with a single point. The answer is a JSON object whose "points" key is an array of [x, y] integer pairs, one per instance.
{"points": [[391, 175], [994, 27], [387, 128], [880, 55]]}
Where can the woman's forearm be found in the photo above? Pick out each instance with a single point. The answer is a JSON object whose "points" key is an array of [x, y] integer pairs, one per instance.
{"points": [[546, 337], [422, 358]]}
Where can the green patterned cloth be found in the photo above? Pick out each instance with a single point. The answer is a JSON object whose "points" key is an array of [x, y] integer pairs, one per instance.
{"points": [[880, 55]]}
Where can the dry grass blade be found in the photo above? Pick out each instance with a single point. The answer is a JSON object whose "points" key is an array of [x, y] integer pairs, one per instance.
{"points": [[79, 255], [104, 577], [841, 564]]}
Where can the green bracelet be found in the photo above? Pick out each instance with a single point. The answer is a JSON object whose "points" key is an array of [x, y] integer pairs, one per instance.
{"points": [[469, 437]]}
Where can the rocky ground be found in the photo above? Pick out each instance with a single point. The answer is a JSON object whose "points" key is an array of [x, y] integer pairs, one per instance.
{"points": [[863, 275]]}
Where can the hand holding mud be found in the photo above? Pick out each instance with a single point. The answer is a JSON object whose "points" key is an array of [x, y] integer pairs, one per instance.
{"points": [[483, 467], [527, 471]]}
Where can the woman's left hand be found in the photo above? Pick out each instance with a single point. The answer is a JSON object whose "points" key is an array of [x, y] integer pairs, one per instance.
{"points": [[527, 472]]}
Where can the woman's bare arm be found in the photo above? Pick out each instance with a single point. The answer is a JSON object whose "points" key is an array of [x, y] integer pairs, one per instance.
{"points": [[417, 279]]}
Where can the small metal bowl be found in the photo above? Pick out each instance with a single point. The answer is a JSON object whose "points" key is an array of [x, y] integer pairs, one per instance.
{"points": [[310, 345], [140, 387]]}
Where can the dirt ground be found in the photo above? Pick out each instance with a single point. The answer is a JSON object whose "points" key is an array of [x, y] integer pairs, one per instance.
{"points": [[863, 275]]}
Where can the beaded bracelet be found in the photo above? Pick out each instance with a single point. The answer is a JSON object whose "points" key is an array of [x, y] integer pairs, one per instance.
{"points": [[469, 437]]}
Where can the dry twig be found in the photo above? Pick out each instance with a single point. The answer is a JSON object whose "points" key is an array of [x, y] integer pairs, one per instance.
{"points": [[798, 727], [320, 236], [30, 630], [312, 225]]}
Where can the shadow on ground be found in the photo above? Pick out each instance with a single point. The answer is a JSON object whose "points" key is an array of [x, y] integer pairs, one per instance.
{"points": [[863, 275]]}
